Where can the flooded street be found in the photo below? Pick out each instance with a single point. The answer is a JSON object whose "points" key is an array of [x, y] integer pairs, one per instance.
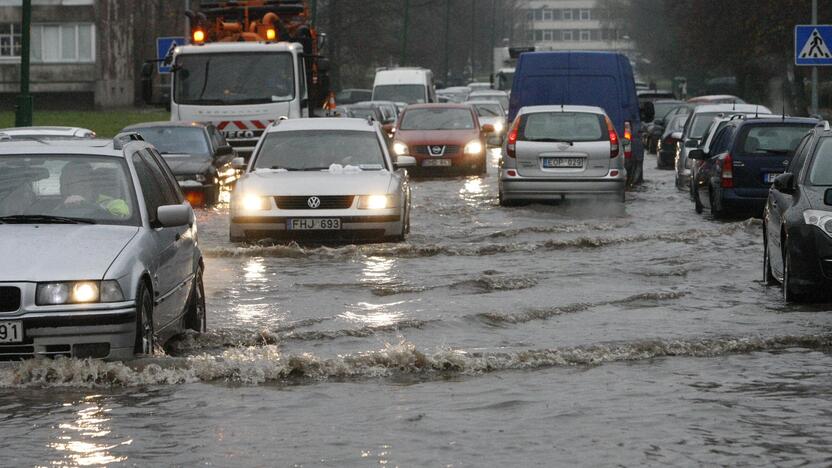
{"points": [[590, 334]]}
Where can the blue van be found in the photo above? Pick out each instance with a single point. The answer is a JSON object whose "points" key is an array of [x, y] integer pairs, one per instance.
{"points": [[601, 79]]}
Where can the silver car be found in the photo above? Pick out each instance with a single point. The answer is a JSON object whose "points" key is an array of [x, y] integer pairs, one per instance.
{"points": [[553, 152], [492, 113], [45, 133], [322, 180], [99, 250]]}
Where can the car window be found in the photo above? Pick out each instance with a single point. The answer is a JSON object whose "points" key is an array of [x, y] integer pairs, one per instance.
{"points": [[177, 140], [167, 174], [151, 186], [722, 141], [700, 122], [567, 126], [410, 94], [820, 172], [438, 119], [315, 150], [773, 139], [216, 138], [800, 155], [490, 110]]}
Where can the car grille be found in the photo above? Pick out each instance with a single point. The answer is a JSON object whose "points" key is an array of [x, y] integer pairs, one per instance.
{"points": [[9, 299], [449, 149], [336, 202]]}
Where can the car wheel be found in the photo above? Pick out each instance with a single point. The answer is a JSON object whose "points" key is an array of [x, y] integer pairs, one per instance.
{"points": [[716, 210], [768, 276], [145, 334], [196, 318], [697, 203], [790, 292]]}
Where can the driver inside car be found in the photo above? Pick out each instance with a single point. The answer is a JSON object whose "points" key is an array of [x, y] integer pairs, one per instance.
{"points": [[81, 186]]}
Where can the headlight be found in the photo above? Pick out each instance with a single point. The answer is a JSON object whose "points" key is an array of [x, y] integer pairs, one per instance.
{"points": [[78, 292], [821, 219], [376, 202], [473, 147], [254, 203], [498, 128], [400, 148]]}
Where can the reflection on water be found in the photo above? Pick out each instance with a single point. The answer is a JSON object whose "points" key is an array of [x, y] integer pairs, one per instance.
{"points": [[254, 270], [76, 441], [473, 191], [376, 315], [378, 270]]}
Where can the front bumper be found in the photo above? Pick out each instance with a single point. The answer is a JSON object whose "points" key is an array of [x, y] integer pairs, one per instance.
{"points": [[355, 227], [108, 334], [811, 252], [548, 188]]}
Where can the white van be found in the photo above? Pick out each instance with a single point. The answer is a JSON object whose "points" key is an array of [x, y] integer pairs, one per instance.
{"points": [[404, 85]]}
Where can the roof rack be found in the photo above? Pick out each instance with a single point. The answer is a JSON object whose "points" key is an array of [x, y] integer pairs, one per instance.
{"points": [[124, 138]]}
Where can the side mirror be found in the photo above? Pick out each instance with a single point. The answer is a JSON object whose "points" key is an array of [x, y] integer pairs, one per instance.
{"points": [[697, 154], [692, 143], [488, 128], [647, 111], [676, 136], [827, 197], [239, 164], [405, 161], [175, 215], [784, 183]]}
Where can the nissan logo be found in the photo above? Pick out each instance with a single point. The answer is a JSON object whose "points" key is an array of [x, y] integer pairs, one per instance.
{"points": [[313, 202], [436, 149]]}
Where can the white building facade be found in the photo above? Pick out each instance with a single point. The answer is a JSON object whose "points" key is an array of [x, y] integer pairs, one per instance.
{"points": [[572, 25]]}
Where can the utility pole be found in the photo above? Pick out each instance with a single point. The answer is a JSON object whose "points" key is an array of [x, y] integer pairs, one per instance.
{"points": [[473, 38], [493, 35], [447, 41], [23, 117], [814, 109], [403, 60], [314, 12]]}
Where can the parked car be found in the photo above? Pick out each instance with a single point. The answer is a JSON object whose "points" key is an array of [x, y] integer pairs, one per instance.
{"points": [[653, 130], [694, 130], [99, 251], [797, 227], [746, 156], [443, 137], [708, 139], [351, 96], [322, 180], [553, 152], [491, 113], [404, 85], [600, 79], [490, 95], [668, 145], [44, 133], [198, 155]]}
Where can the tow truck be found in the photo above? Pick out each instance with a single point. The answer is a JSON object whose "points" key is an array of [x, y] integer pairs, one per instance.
{"points": [[248, 64]]}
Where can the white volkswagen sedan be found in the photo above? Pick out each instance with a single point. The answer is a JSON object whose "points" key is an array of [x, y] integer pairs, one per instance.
{"points": [[322, 180]]}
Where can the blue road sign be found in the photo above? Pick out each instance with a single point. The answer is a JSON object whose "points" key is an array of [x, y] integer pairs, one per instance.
{"points": [[164, 48], [812, 44]]}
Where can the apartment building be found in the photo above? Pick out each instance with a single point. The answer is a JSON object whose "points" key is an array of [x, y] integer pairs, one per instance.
{"points": [[572, 25]]}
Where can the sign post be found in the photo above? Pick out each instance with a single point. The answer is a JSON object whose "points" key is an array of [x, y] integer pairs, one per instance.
{"points": [[813, 48], [164, 49]]}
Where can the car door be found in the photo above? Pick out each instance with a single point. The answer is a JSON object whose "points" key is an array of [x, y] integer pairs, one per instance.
{"points": [[777, 204], [709, 172]]}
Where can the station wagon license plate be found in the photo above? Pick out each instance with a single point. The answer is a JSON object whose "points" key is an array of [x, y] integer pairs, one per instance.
{"points": [[770, 176], [561, 163], [436, 163], [11, 331], [313, 224]]}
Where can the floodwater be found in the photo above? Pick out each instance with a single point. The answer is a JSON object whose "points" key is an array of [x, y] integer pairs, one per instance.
{"points": [[558, 335]]}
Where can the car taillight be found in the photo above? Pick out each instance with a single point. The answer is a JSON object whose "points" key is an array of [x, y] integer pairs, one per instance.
{"points": [[615, 145], [511, 146], [727, 171], [628, 140]]}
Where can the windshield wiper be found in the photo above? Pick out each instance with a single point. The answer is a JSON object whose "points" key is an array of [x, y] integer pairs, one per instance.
{"points": [[47, 219]]}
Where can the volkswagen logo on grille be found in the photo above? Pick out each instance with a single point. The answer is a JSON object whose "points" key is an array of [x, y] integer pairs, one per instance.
{"points": [[313, 202], [436, 150]]}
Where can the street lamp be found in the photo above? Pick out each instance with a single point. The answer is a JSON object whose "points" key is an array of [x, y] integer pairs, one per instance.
{"points": [[23, 114]]}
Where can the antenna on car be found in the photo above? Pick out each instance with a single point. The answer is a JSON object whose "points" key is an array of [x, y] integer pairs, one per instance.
{"points": [[735, 105], [757, 112]]}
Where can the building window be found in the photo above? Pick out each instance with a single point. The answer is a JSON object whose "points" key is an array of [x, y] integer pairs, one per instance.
{"points": [[547, 36], [9, 41], [63, 43], [585, 35], [567, 35], [547, 15], [585, 15], [538, 35], [538, 15], [567, 15], [557, 14]]}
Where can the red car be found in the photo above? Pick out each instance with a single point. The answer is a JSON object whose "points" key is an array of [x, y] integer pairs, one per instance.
{"points": [[442, 137]]}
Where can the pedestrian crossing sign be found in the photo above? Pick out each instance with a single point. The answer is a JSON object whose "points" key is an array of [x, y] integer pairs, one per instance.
{"points": [[813, 45]]}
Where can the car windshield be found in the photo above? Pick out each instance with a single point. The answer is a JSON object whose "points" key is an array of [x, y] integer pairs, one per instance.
{"points": [[490, 110], [66, 189], [702, 121], [410, 94], [562, 126], [438, 119], [318, 150], [177, 140], [821, 172], [233, 79], [501, 98], [774, 139], [363, 112], [664, 108]]}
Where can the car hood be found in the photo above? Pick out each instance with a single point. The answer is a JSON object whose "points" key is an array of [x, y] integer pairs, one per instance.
{"points": [[60, 252], [316, 183], [426, 137], [187, 164]]}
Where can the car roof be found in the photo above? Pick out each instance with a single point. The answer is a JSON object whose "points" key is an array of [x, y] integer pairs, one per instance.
{"points": [[775, 119], [670, 101], [729, 107], [167, 123], [97, 147], [488, 92], [570, 108], [328, 123], [51, 131], [435, 105], [477, 102]]}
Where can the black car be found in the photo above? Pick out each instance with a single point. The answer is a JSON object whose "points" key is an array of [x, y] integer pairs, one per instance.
{"points": [[797, 226], [744, 159], [668, 144], [655, 129], [196, 153]]}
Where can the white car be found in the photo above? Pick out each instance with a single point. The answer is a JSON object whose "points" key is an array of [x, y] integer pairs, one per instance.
{"points": [[322, 180], [45, 133]]}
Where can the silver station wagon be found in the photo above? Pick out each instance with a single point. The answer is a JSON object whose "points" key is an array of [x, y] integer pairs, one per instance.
{"points": [[99, 250], [555, 152]]}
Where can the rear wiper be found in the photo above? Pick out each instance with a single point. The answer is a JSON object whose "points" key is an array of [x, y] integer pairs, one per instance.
{"points": [[25, 219], [552, 140]]}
